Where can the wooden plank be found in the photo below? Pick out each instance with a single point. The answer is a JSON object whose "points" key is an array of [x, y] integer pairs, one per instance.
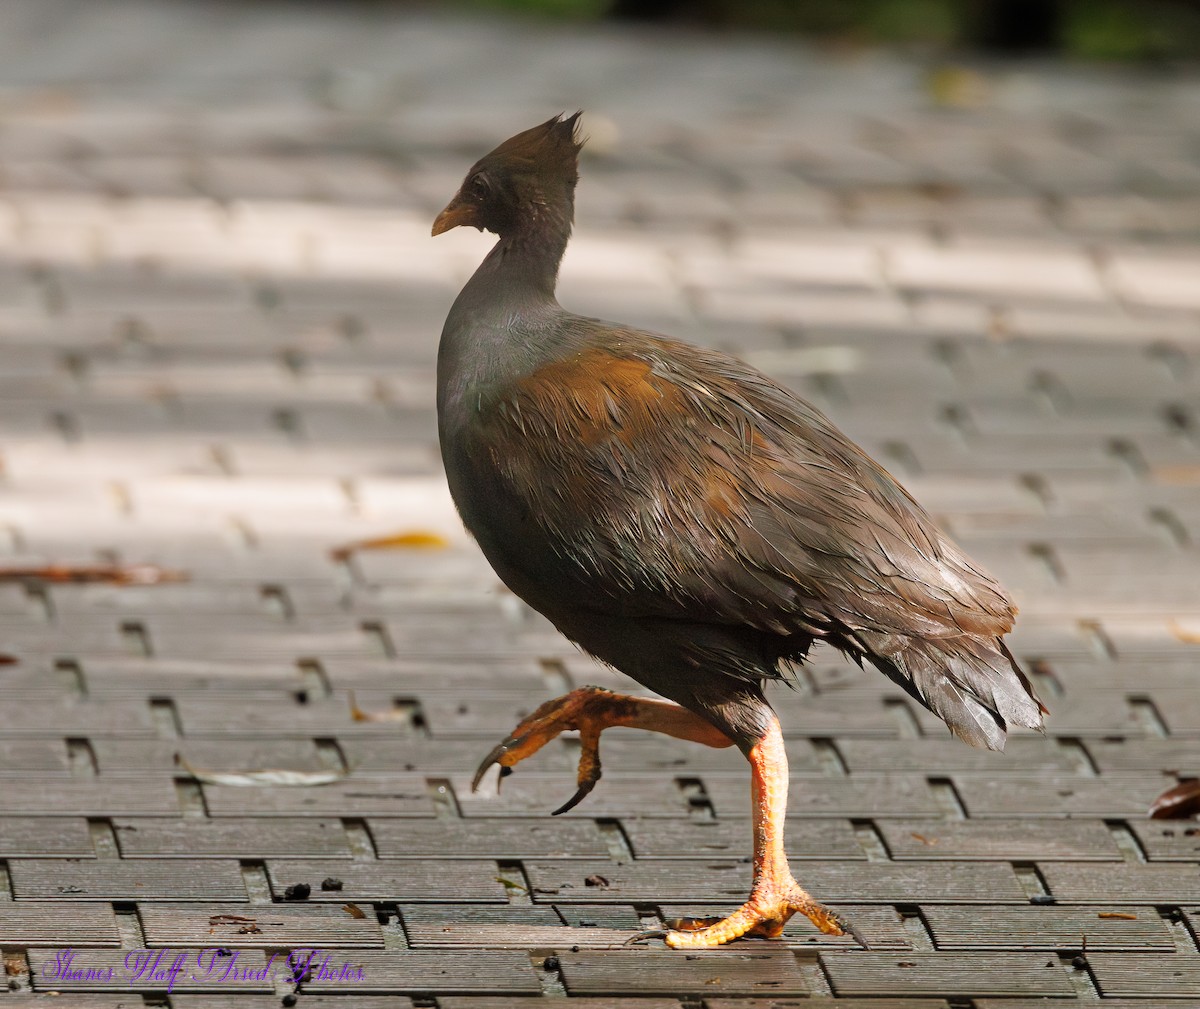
{"points": [[397, 795], [515, 926], [1136, 976], [133, 756], [415, 971], [995, 839], [535, 794], [1130, 754], [943, 755], [702, 972], [58, 718], [233, 1000], [109, 879], [39, 836], [451, 880], [862, 795], [551, 838], [946, 974], [37, 756], [633, 1000], [57, 922], [230, 837], [1113, 796], [109, 969], [649, 752], [279, 925], [815, 1002], [1166, 841], [143, 796], [720, 880], [1089, 883], [728, 837], [1048, 928], [881, 926]]}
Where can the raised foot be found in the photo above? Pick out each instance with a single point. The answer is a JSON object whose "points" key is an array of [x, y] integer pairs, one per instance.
{"points": [[588, 709], [762, 916]]}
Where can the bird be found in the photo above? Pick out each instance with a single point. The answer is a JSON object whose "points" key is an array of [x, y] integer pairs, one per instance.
{"points": [[689, 521]]}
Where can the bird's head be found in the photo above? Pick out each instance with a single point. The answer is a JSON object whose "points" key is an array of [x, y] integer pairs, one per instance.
{"points": [[529, 178]]}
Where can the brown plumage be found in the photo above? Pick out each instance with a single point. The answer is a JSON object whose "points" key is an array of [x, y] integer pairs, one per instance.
{"points": [[683, 517]]}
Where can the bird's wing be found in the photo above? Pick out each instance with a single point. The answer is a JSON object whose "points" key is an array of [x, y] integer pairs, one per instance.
{"points": [[665, 480]]}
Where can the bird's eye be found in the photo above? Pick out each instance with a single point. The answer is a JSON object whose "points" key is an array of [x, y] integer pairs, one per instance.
{"points": [[478, 186]]}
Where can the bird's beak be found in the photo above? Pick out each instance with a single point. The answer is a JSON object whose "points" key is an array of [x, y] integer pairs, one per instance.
{"points": [[458, 211]]}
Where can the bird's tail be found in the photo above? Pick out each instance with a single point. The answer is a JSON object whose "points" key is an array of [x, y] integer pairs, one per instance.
{"points": [[972, 683]]}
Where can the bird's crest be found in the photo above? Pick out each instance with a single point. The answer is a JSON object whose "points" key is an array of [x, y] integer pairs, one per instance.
{"points": [[552, 146]]}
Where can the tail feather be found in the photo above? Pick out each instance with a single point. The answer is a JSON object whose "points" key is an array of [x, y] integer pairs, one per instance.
{"points": [[973, 684]]}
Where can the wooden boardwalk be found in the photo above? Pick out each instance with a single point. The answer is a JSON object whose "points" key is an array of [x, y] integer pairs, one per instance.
{"points": [[219, 308]]}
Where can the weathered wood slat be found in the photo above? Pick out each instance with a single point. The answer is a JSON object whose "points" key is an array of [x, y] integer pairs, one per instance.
{"points": [[60, 923], [724, 880], [857, 796], [994, 839], [1167, 841], [1089, 883], [230, 837], [486, 838], [1134, 975], [415, 971], [397, 795], [105, 970], [109, 879], [60, 796], [704, 972], [34, 836], [513, 926], [1057, 795], [1048, 928], [449, 880], [732, 838], [273, 925], [946, 974]]}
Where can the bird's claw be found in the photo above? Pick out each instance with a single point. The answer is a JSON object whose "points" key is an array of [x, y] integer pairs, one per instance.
{"points": [[493, 758], [580, 793], [652, 933]]}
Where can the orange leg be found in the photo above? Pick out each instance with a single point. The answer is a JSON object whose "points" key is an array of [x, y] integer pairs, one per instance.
{"points": [[591, 710], [775, 895]]}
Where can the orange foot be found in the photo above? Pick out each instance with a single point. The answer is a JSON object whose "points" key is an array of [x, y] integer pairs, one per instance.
{"points": [[591, 710], [763, 915]]}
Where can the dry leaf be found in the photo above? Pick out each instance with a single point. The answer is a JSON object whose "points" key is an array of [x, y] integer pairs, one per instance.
{"points": [[930, 841], [1183, 474], [353, 910], [1181, 633], [267, 776], [1177, 803], [418, 539], [80, 574], [8, 660], [387, 715], [1123, 915]]}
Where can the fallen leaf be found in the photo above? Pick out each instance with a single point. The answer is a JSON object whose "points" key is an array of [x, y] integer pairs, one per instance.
{"points": [[508, 884], [353, 910], [597, 880], [1184, 474], [82, 574], [387, 715], [1177, 803], [1123, 915], [8, 660], [267, 776], [419, 539], [931, 841], [1181, 633]]}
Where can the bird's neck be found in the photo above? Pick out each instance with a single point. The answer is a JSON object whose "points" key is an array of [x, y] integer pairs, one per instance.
{"points": [[506, 319]]}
